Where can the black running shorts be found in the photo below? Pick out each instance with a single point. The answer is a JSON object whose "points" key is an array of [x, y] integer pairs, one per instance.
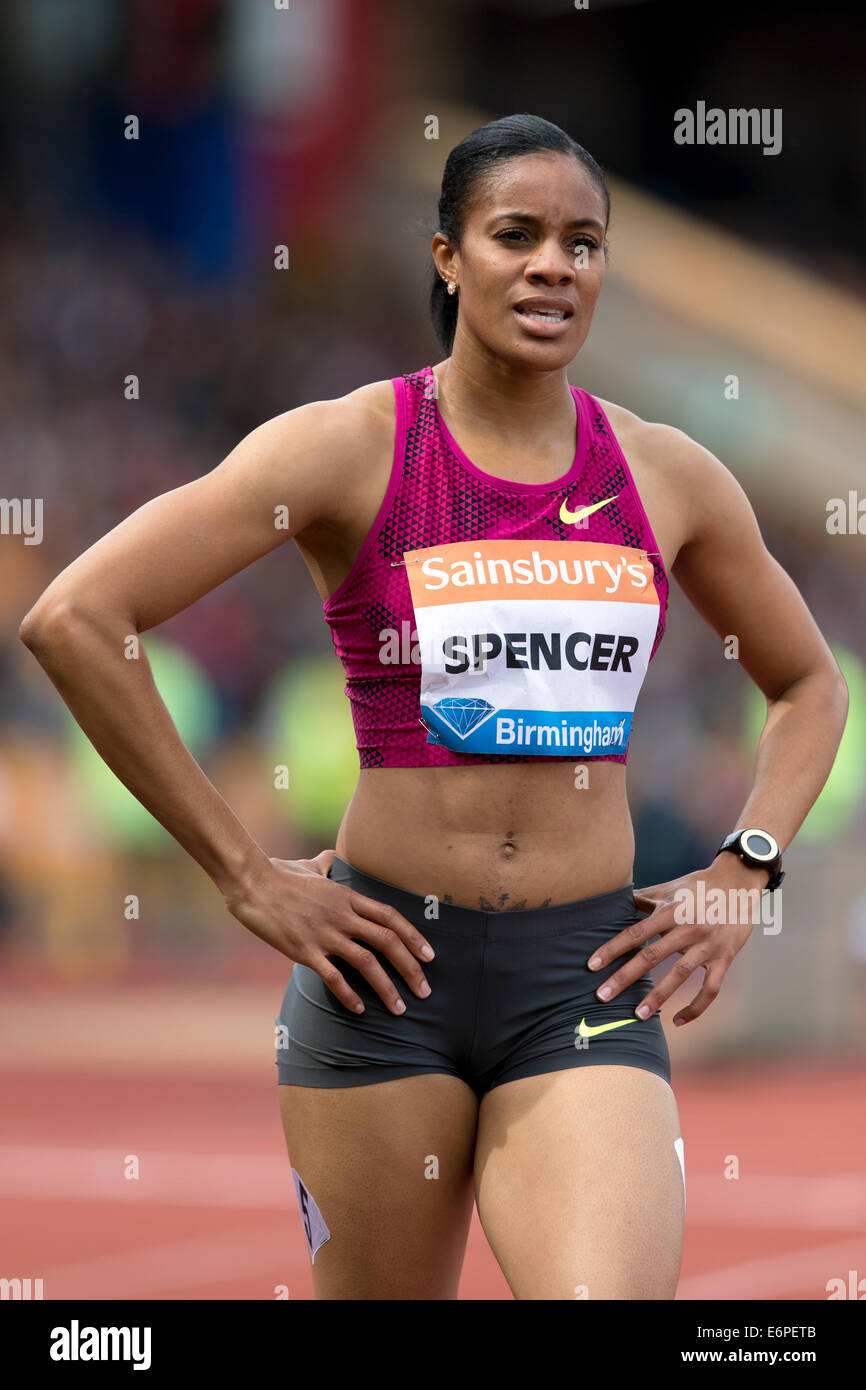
{"points": [[511, 996]]}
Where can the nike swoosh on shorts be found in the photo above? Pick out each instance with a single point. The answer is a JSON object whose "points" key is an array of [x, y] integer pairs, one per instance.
{"points": [[586, 1032]]}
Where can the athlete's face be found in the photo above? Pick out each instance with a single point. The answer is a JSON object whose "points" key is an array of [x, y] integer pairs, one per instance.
{"points": [[533, 231]]}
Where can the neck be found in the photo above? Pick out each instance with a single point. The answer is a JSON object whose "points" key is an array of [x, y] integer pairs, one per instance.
{"points": [[513, 404]]}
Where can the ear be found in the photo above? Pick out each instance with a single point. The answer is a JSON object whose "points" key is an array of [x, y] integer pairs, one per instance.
{"points": [[443, 256]]}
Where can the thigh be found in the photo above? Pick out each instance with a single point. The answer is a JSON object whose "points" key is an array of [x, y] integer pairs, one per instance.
{"points": [[389, 1166], [578, 1184]]}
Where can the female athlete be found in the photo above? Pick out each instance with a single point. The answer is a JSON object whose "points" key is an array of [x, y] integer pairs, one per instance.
{"points": [[471, 1013]]}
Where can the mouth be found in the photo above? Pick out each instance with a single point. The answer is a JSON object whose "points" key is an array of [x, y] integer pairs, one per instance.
{"points": [[543, 321], [544, 315]]}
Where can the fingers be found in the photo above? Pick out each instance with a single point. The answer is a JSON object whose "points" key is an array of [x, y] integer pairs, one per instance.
{"points": [[376, 925], [320, 864], [387, 943], [367, 965], [323, 861], [331, 976], [650, 955], [297, 866], [365, 962], [389, 917], [634, 935], [386, 930], [670, 982], [705, 995], [648, 899]]}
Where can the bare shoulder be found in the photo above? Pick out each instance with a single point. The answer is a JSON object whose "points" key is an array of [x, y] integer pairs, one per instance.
{"points": [[340, 429], [668, 447], [328, 452], [372, 402], [678, 478]]}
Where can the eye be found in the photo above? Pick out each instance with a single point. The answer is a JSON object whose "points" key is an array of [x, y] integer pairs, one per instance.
{"points": [[583, 239]]}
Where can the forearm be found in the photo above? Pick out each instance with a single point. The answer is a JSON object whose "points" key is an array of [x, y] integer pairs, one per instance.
{"points": [[117, 704], [796, 751]]}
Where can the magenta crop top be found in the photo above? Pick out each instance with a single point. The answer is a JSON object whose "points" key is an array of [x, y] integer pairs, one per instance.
{"points": [[529, 632]]}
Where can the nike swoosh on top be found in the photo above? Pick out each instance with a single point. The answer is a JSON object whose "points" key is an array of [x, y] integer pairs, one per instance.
{"points": [[566, 515], [586, 1032]]}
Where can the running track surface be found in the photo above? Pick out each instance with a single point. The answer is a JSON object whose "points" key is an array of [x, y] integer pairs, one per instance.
{"points": [[217, 1217]]}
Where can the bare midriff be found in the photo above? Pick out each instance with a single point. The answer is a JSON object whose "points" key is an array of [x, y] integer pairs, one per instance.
{"points": [[499, 836]]}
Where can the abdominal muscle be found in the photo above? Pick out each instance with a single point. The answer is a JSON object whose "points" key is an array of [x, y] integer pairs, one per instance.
{"points": [[499, 836]]}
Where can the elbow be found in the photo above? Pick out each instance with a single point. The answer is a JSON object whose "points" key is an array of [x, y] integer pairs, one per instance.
{"points": [[834, 687], [844, 700], [41, 626], [836, 697], [839, 684], [31, 630]]}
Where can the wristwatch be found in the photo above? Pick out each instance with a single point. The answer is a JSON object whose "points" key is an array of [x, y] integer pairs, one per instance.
{"points": [[759, 850]]}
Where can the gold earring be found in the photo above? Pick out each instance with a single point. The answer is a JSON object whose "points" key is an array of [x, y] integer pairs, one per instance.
{"points": [[452, 288]]}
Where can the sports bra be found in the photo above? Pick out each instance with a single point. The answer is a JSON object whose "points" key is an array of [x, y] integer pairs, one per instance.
{"points": [[485, 620]]}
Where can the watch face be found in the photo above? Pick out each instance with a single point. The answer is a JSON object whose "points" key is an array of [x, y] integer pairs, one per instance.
{"points": [[756, 843]]}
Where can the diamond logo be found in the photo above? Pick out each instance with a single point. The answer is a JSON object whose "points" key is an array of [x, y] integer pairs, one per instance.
{"points": [[463, 715]]}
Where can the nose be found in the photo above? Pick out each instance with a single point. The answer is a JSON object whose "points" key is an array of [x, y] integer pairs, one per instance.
{"points": [[552, 264]]}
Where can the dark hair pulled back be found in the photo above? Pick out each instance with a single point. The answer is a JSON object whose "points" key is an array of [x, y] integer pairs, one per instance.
{"points": [[465, 166]]}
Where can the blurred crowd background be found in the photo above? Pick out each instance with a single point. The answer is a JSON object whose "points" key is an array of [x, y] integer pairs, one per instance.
{"points": [[308, 126]]}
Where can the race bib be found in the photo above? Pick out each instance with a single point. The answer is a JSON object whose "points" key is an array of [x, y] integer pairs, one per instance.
{"points": [[532, 647]]}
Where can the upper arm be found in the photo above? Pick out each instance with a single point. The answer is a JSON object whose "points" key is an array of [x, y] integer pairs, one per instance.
{"points": [[291, 472], [731, 579]]}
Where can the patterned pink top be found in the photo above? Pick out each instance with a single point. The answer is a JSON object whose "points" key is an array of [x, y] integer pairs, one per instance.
{"points": [[436, 495]]}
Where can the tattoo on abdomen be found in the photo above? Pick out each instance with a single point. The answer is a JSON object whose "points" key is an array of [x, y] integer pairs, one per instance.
{"points": [[487, 906]]}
